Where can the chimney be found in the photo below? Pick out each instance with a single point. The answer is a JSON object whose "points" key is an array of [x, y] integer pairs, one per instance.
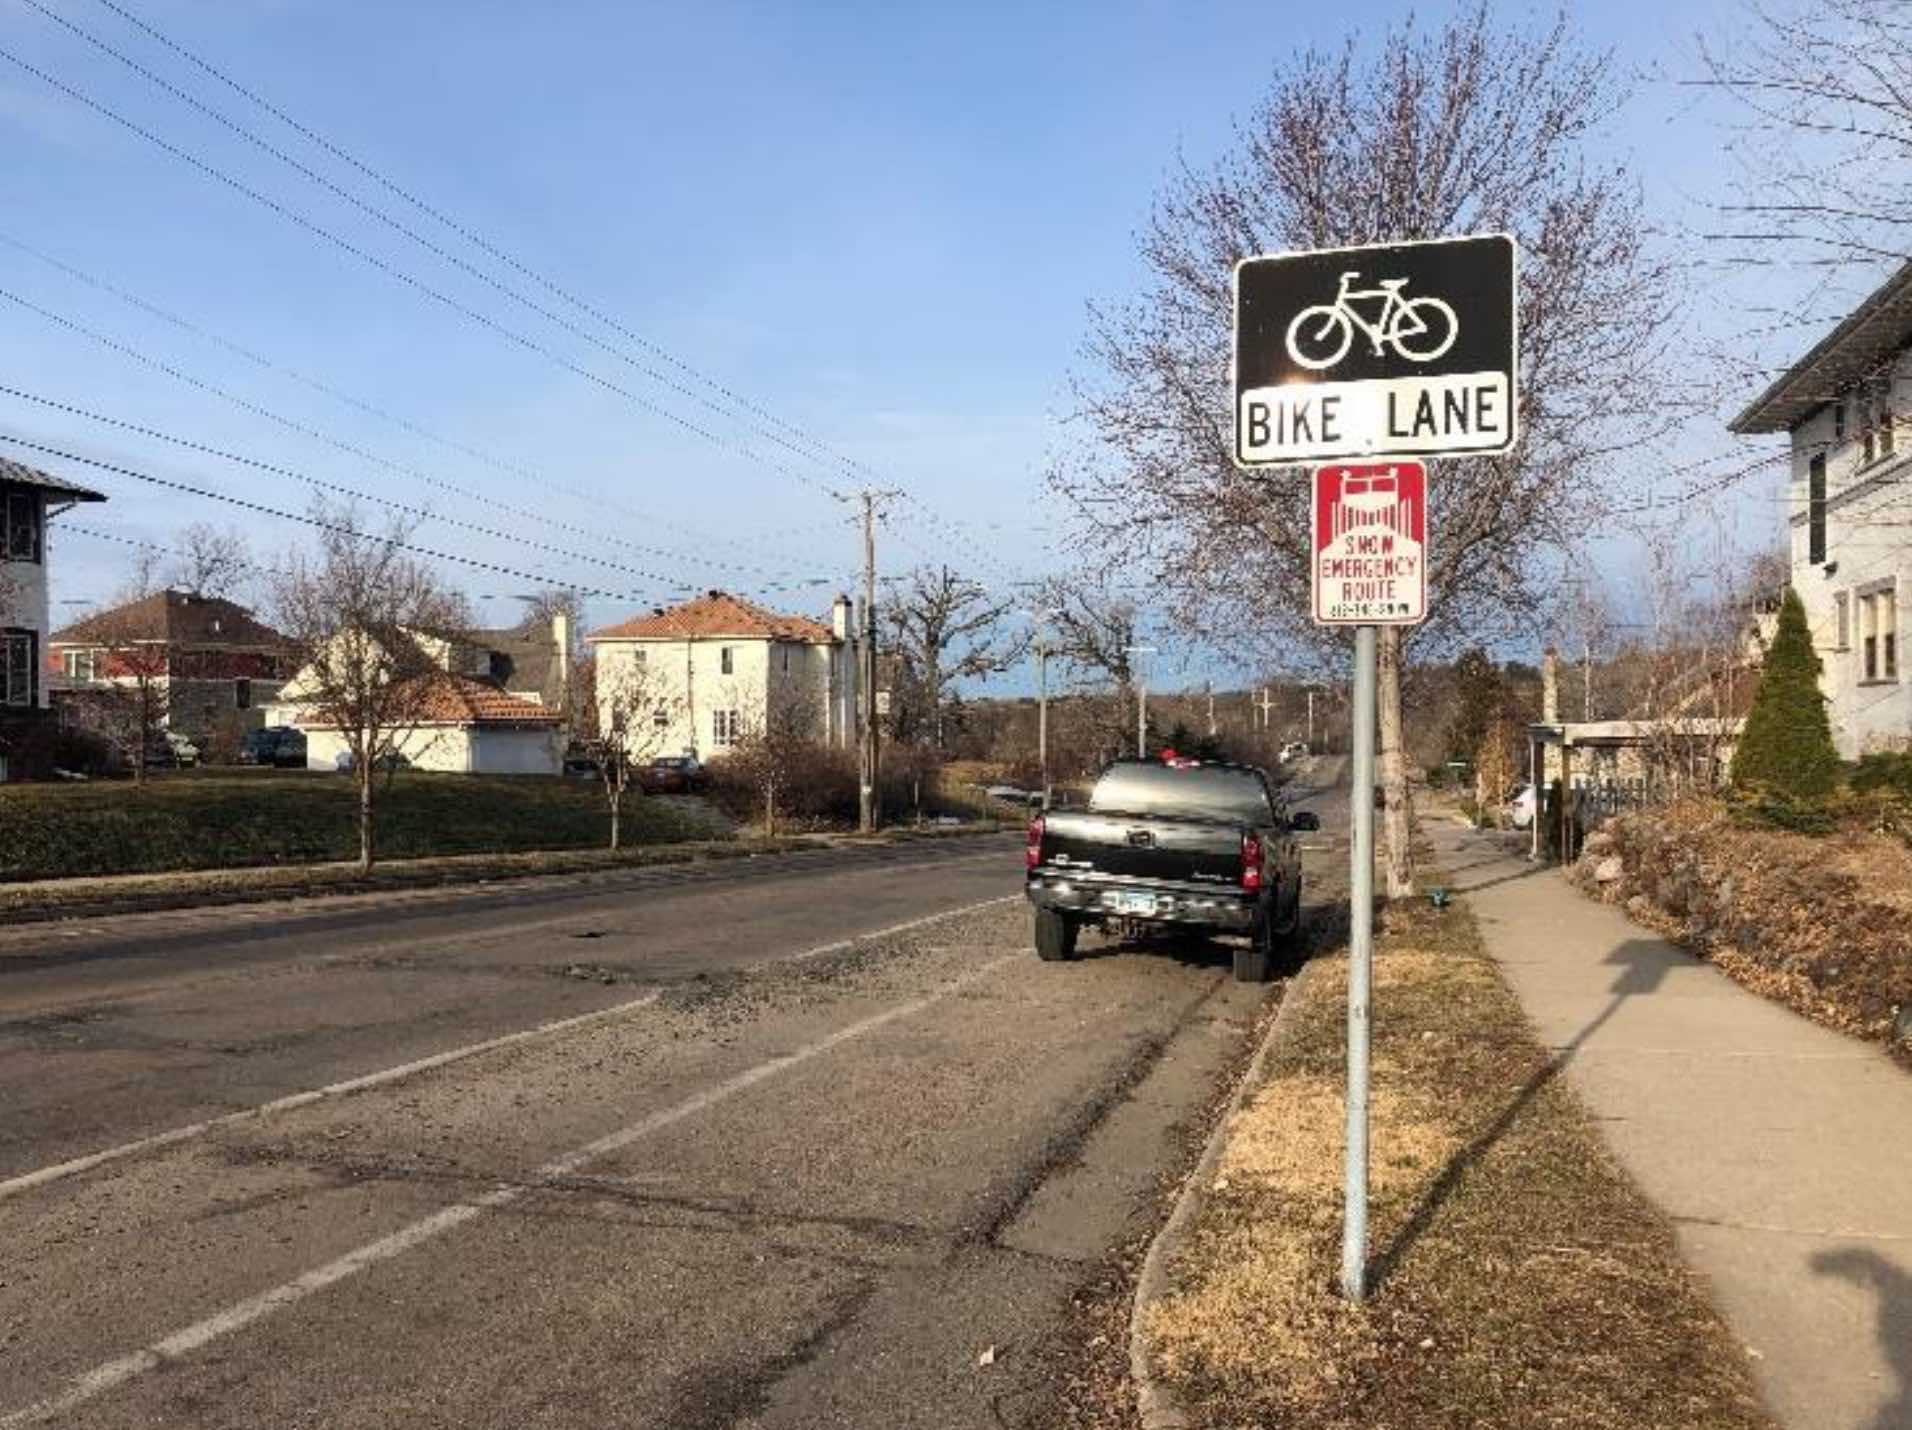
{"points": [[840, 617], [561, 638], [1550, 687]]}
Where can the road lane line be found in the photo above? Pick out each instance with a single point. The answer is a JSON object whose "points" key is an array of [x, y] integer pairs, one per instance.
{"points": [[27, 1181], [111, 1374]]}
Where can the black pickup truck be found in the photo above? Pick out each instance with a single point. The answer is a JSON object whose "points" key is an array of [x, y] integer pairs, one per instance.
{"points": [[1203, 845]]}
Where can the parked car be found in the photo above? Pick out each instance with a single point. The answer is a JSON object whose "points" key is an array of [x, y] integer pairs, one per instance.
{"points": [[185, 752], [673, 774], [1294, 750], [1196, 845], [277, 746], [345, 762], [579, 761], [1520, 807]]}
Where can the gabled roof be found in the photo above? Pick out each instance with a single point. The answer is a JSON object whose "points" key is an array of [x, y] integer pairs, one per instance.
{"points": [[713, 614], [19, 474], [1871, 333], [522, 660], [174, 618]]}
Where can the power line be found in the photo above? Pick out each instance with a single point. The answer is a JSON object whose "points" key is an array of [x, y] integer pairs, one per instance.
{"points": [[351, 449], [805, 443], [262, 509], [374, 410]]}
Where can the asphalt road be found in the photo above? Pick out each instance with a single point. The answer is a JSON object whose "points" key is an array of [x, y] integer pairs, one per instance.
{"points": [[785, 1165]]}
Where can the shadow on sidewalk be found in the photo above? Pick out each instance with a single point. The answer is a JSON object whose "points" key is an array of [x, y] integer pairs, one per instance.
{"points": [[1868, 1268], [1643, 965]]}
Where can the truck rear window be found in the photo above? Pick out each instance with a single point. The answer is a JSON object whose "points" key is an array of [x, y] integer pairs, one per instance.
{"points": [[1195, 791]]}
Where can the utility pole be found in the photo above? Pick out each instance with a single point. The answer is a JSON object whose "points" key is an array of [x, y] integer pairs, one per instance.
{"points": [[1211, 709], [1266, 705], [1311, 719], [868, 810], [1141, 704], [1042, 707]]}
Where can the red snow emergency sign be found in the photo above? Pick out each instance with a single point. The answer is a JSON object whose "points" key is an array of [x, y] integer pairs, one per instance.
{"points": [[1370, 544]]}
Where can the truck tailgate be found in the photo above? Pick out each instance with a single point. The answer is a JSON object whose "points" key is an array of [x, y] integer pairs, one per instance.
{"points": [[1143, 847]]}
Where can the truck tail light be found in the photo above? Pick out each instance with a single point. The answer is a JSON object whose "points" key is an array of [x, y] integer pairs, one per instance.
{"points": [[1033, 854], [1251, 863]]}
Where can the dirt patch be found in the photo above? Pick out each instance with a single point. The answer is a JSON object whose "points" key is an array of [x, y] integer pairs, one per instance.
{"points": [[1520, 1279], [1820, 924]]}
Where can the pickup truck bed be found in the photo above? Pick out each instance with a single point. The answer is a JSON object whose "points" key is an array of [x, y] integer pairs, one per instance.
{"points": [[1202, 846]]}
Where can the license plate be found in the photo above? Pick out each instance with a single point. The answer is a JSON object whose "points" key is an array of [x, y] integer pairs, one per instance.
{"points": [[1127, 903]]}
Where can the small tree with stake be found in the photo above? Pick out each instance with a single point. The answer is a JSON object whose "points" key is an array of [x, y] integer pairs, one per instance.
{"points": [[1787, 746], [634, 715]]}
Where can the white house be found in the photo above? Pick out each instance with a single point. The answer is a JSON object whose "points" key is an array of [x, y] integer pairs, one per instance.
{"points": [[456, 717], [28, 499], [1843, 404], [712, 668]]}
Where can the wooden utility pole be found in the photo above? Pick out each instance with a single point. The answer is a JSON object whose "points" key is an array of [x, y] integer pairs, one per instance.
{"points": [[869, 810], [1042, 708]]}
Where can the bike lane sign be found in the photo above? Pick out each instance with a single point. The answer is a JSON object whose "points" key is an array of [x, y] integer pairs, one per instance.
{"points": [[1392, 349], [1370, 544]]}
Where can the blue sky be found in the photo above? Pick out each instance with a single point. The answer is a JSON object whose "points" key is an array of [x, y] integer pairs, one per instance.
{"points": [[880, 223]]}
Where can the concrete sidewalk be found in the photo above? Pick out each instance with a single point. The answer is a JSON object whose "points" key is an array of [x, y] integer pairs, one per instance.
{"points": [[1781, 1151]]}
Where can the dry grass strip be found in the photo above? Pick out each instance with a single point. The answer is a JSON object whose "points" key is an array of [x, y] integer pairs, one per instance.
{"points": [[1523, 1281]]}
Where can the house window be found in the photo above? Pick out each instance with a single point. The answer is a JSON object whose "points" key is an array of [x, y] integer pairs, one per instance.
{"points": [[1888, 439], [1869, 438], [81, 665], [725, 728], [1838, 422], [786, 660], [660, 718], [640, 655], [23, 527], [1841, 621], [1879, 634], [1816, 511], [19, 664], [242, 693], [724, 661]]}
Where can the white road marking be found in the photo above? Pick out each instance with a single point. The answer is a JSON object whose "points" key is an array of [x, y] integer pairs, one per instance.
{"points": [[27, 1181], [114, 1373]]}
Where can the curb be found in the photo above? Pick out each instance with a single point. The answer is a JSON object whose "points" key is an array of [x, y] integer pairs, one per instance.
{"points": [[1159, 1407]]}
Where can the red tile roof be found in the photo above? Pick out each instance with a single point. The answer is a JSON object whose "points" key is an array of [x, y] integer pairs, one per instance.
{"points": [[717, 613], [447, 699]]}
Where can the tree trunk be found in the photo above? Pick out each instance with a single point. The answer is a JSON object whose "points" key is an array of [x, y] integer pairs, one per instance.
{"points": [[365, 777], [617, 810], [1399, 824]]}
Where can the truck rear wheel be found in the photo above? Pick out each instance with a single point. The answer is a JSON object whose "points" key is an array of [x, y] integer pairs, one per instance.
{"points": [[1055, 936]]}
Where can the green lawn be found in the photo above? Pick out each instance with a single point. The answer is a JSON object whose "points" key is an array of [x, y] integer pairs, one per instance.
{"points": [[224, 819]]}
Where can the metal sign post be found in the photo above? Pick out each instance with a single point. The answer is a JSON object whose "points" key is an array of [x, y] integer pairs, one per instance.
{"points": [[1377, 354], [1354, 1229]]}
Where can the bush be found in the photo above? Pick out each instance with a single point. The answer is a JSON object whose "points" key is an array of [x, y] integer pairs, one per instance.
{"points": [[1884, 774], [1787, 747]]}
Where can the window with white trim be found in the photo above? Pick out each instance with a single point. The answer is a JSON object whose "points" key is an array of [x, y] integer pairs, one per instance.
{"points": [[19, 665], [661, 718], [1841, 621], [81, 664], [724, 661], [1879, 634], [725, 728]]}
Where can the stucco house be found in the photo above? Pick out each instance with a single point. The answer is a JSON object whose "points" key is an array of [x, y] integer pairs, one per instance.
{"points": [[216, 664], [452, 715], [709, 671], [29, 499], [1842, 404]]}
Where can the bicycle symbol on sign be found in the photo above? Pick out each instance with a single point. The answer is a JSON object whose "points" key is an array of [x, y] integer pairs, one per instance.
{"points": [[1419, 329]]}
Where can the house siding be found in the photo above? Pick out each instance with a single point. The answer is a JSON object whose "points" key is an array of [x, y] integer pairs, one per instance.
{"points": [[1868, 546], [687, 678]]}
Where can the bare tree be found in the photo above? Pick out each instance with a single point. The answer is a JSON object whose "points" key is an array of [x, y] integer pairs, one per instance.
{"points": [[127, 701], [635, 713], [1095, 640], [371, 622], [1469, 128], [778, 734], [210, 562], [1825, 96], [943, 627]]}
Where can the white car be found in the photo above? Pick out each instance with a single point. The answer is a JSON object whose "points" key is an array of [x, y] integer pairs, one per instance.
{"points": [[1293, 750], [1520, 807]]}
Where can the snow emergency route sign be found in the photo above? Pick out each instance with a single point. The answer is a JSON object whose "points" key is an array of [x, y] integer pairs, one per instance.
{"points": [[1370, 544]]}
